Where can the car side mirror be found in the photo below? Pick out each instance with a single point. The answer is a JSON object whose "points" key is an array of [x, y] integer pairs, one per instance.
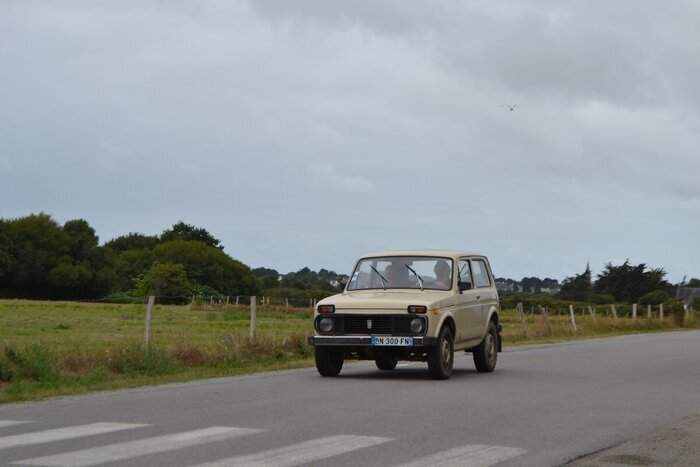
{"points": [[464, 286]]}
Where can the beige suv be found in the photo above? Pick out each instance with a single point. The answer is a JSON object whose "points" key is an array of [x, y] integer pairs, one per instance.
{"points": [[416, 305]]}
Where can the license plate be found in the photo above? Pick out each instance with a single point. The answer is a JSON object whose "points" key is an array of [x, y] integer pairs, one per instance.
{"points": [[391, 340]]}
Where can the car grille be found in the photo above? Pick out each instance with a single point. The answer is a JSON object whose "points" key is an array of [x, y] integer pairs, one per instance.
{"points": [[396, 325]]}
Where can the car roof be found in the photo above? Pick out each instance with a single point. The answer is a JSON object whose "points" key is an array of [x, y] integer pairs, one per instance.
{"points": [[422, 252]]}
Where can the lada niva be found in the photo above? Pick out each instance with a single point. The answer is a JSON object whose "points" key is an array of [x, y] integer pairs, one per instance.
{"points": [[415, 305]]}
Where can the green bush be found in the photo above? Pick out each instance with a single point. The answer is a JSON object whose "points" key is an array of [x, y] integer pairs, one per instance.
{"points": [[654, 298], [674, 308]]}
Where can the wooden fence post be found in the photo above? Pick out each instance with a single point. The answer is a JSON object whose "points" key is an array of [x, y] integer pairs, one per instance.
{"points": [[286, 302], [253, 310], [519, 307], [592, 312], [634, 312], [236, 299], [149, 314], [614, 313], [648, 311], [573, 320], [661, 311], [546, 319]]}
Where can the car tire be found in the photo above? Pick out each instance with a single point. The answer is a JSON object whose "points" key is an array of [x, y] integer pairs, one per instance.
{"points": [[441, 357], [386, 363], [486, 353], [329, 361]]}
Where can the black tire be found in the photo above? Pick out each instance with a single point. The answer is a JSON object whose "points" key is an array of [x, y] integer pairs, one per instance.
{"points": [[486, 353], [441, 357], [386, 363], [329, 362]]}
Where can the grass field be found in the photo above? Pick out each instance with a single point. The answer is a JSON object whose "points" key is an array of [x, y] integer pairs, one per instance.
{"points": [[57, 348]]}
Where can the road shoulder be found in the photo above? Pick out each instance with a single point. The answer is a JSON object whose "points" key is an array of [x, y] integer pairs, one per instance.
{"points": [[678, 444]]}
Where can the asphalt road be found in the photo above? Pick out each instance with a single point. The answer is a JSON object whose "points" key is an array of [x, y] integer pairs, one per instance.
{"points": [[544, 405]]}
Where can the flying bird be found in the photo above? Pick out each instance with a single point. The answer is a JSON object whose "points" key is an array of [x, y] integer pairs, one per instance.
{"points": [[510, 107]]}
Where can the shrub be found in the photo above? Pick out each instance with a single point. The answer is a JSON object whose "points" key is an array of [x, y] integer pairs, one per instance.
{"points": [[654, 298], [695, 304], [675, 308]]}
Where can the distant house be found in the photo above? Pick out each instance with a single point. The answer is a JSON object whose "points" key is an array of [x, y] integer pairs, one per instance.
{"points": [[687, 294]]}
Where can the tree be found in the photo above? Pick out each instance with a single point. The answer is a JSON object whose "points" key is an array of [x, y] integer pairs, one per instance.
{"points": [[37, 246], [627, 283], [6, 258], [207, 265], [132, 241], [166, 280], [182, 231], [576, 288], [267, 278]]}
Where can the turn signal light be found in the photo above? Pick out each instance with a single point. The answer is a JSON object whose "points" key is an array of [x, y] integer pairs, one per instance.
{"points": [[326, 308], [421, 310]]}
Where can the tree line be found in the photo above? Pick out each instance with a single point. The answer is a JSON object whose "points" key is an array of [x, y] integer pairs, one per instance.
{"points": [[41, 259], [624, 283]]}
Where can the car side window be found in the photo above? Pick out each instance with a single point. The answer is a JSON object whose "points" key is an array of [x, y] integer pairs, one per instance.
{"points": [[481, 273], [465, 273]]}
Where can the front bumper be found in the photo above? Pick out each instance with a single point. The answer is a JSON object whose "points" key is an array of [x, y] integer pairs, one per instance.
{"points": [[418, 341]]}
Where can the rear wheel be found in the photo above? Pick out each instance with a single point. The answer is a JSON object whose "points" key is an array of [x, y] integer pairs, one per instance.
{"points": [[441, 357], [486, 353], [328, 361], [386, 363]]}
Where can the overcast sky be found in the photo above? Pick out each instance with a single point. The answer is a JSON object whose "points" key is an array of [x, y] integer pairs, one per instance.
{"points": [[305, 133]]}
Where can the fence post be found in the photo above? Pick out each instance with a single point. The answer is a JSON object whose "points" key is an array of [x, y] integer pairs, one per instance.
{"points": [[686, 312], [614, 313], [546, 319], [236, 299], [649, 311], [573, 320], [286, 303], [634, 312], [592, 312], [253, 310], [519, 307], [661, 311], [149, 314], [227, 299]]}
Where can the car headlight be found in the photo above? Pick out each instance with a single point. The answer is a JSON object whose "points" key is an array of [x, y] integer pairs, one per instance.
{"points": [[416, 325], [325, 325]]}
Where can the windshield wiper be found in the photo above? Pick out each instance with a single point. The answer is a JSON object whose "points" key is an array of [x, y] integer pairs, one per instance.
{"points": [[384, 281], [420, 279]]}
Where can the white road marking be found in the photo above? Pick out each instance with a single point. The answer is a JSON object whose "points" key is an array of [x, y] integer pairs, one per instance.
{"points": [[130, 449], [471, 455], [301, 453], [59, 434], [4, 423]]}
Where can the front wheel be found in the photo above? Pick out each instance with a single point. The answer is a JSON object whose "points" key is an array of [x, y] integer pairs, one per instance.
{"points": [[441, 357], [486, 353], [329, 362]]}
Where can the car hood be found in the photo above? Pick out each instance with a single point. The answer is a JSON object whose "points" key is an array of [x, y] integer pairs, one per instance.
{"points": [[385, 300]]}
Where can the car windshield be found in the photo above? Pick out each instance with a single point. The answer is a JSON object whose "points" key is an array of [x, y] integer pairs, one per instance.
{"points": [[402, 272]]}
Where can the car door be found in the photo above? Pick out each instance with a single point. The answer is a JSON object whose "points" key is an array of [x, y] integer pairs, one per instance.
{"points": [[484, 288], [469, 315]]}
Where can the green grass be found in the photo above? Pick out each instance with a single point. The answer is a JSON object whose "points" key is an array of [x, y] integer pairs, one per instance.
{"points": [[57, 348]]}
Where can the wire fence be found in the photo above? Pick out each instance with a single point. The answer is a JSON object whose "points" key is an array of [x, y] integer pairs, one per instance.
{"points": [[211, 300]]}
